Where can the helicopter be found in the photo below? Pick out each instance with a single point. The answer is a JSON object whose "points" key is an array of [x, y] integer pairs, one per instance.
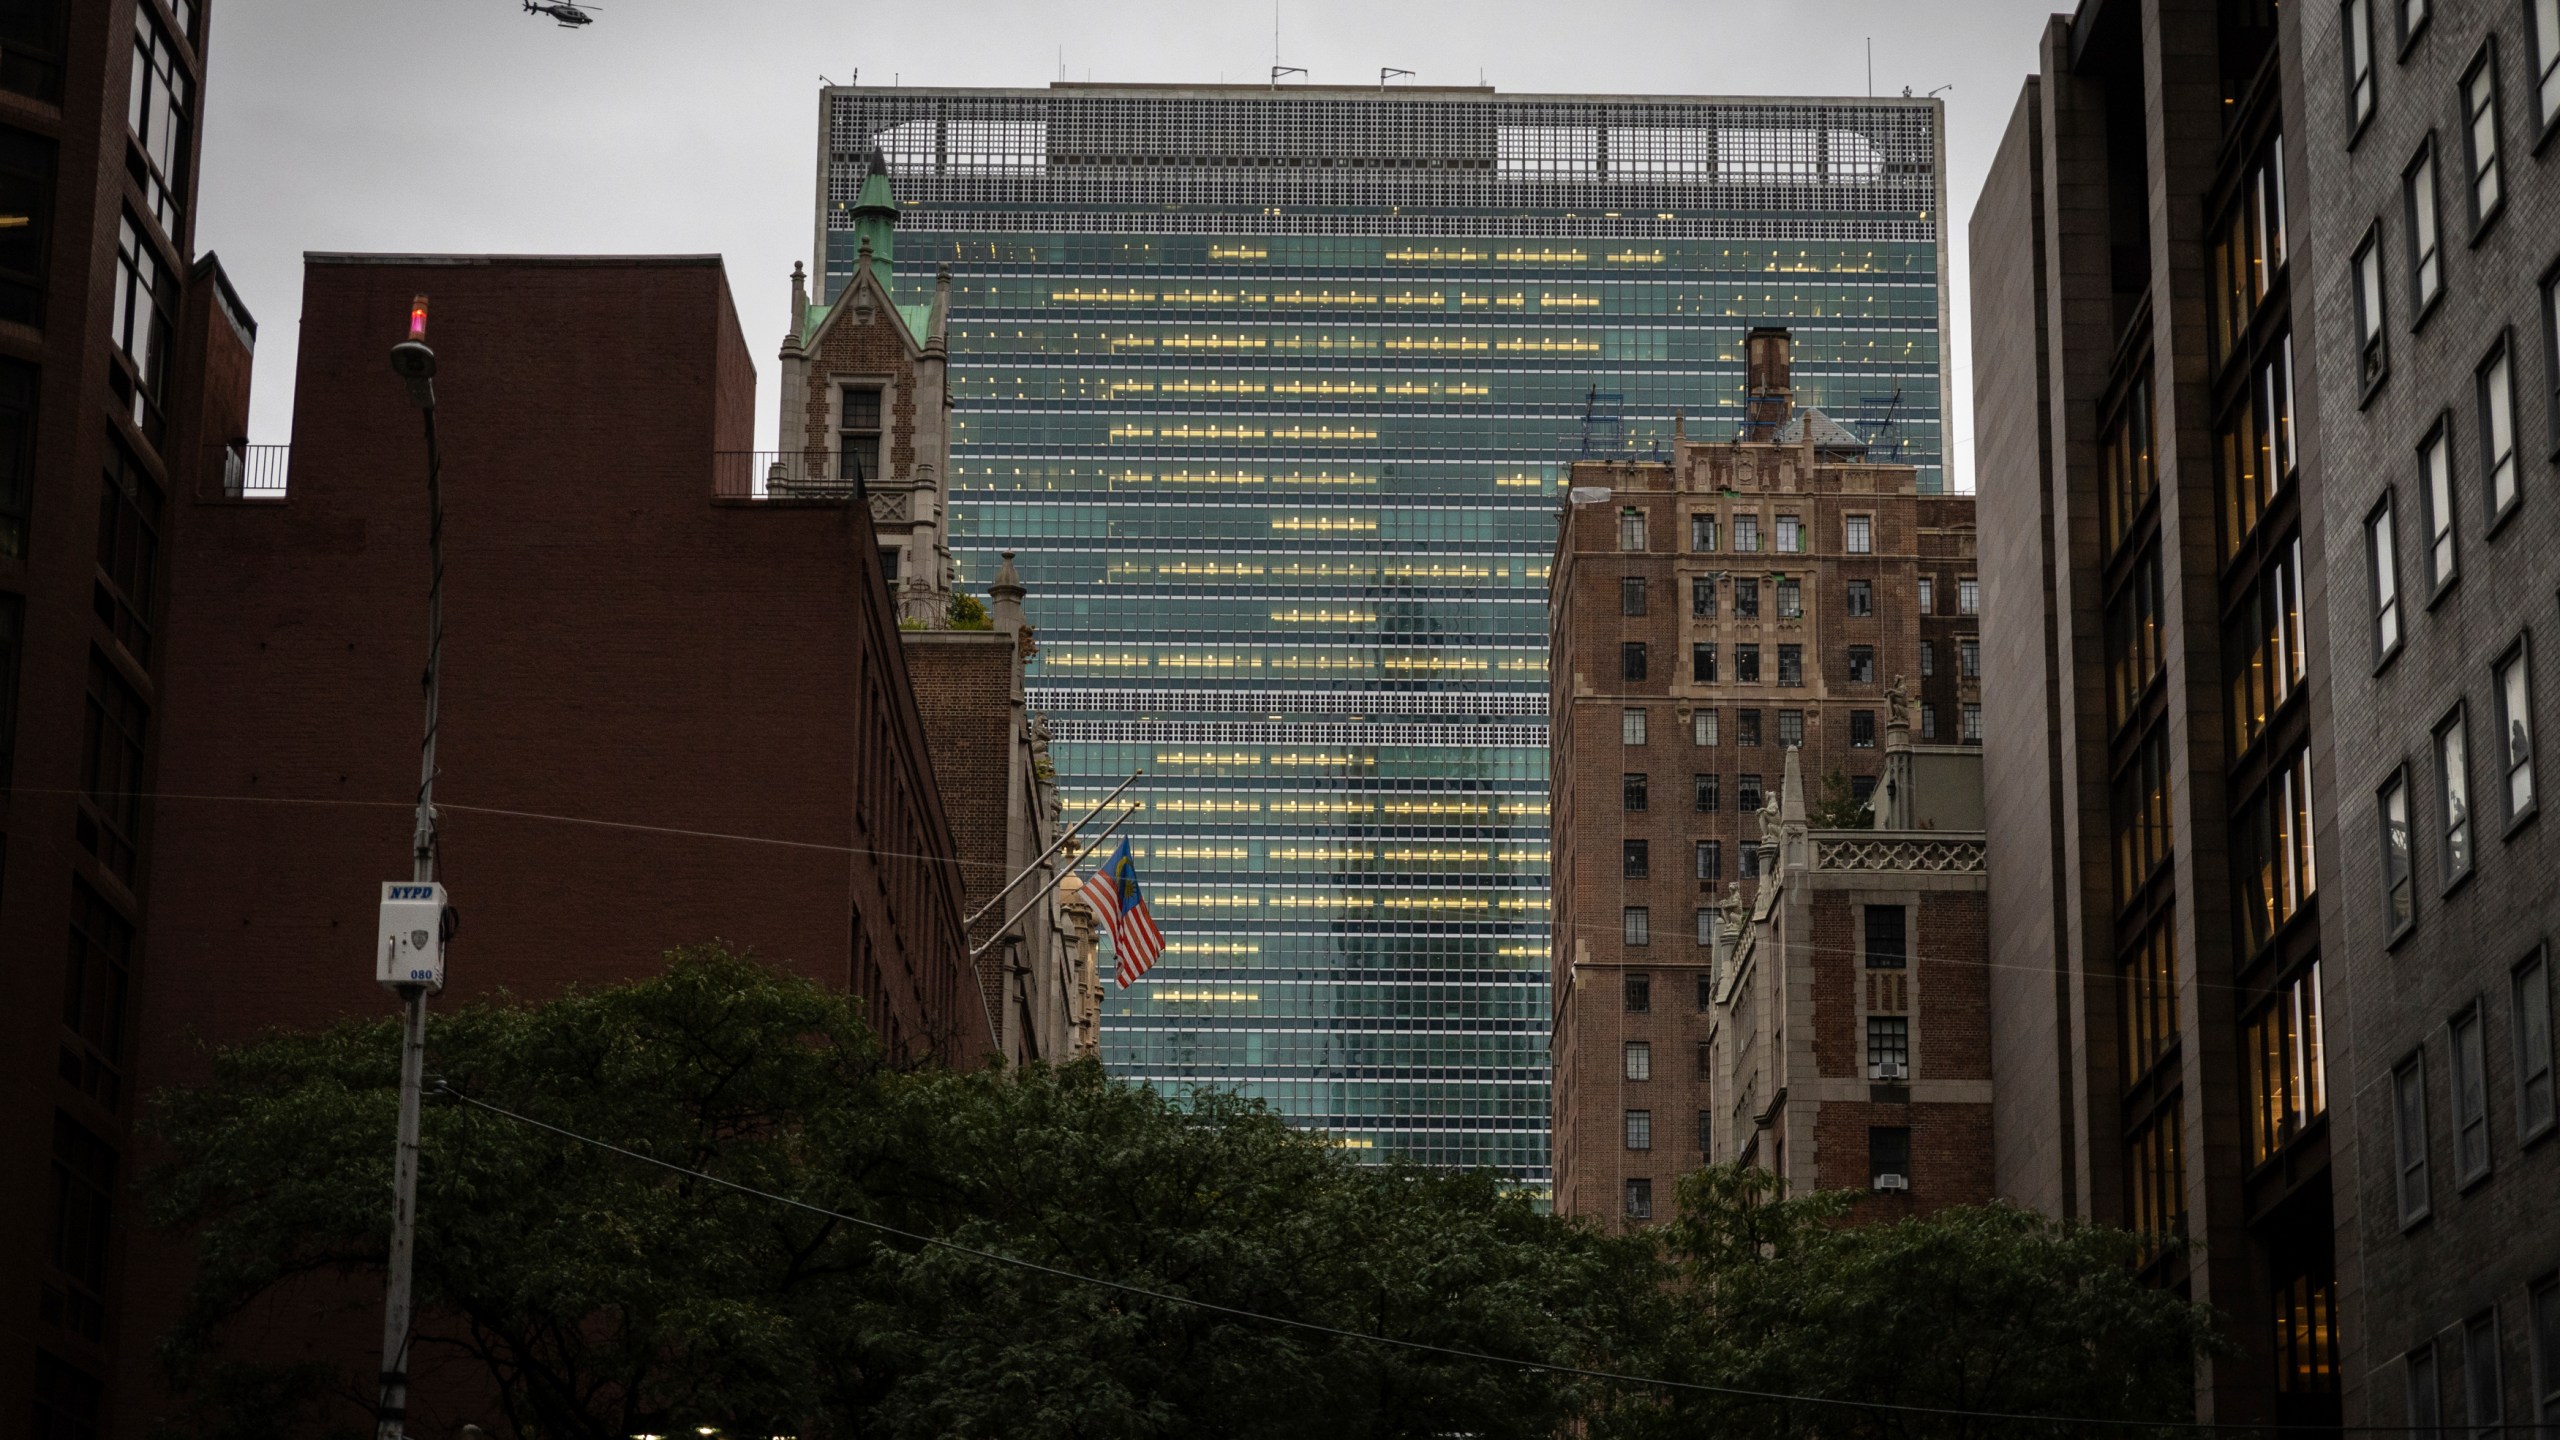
{"points": [[570, 16]]}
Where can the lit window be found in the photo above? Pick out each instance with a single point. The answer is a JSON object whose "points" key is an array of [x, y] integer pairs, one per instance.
{"points": [[2426, 257], [2288, 1076], [2381, 546], [1631, 529], [2435, 472], [2409, 1137], [2534, 1092], [2480, 136], [2498, 431], [1631, 727], [1968, 597], [1639, 1060], [2372, 352], [1639, 1129], [2515, 731], [2357, 29], [1888, 937], [2469, 1093], [1858, 535], [2391, 809], [1638, 930]]}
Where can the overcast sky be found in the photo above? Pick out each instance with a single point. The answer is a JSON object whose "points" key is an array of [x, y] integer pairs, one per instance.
{"points": [[685, 126]]}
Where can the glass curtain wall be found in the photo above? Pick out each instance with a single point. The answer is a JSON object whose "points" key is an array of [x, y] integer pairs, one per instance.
{"points": [[1272, 394]]}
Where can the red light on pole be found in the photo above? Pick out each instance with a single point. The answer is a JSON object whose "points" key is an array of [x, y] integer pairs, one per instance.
{"points": [[418, 318]]}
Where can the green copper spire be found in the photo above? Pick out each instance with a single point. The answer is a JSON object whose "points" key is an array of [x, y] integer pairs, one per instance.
{"points": [[875, 217]]}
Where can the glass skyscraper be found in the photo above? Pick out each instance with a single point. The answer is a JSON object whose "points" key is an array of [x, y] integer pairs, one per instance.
{"points": [[1272, 393]]}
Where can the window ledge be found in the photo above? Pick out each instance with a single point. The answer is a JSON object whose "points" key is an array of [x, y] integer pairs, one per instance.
{"points": [[2465, 1187], [2435, 302], [2522, 819], [2536, 1136], [2394, 940], [2481, 227], [2385, 660], [2410, 1223], [2373, 387], [2436, 596], [2542, 141], [2458, 881], [2498, 521]]}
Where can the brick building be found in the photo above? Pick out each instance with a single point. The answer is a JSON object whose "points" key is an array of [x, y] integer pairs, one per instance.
{"points": [[2428, 216], [1709, 613], [1848, 1041], [2150, 371], [123, 379]]}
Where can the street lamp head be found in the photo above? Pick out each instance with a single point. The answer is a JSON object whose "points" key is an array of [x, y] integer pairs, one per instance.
{"points": [[412, 361]]}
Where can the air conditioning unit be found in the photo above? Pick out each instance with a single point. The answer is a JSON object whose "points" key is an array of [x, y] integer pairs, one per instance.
{"points": [[1892, 1070], [1893, 1182]]}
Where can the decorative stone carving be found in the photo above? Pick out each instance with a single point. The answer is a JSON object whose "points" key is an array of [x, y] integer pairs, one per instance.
{"points": [[1920, 856]]}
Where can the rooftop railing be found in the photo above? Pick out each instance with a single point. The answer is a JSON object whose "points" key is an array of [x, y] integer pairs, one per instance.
{"points": [[780, 475], [246, 472]]}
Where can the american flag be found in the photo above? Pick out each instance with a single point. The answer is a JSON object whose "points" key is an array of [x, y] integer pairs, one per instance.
{"points": [[1116, 898]]}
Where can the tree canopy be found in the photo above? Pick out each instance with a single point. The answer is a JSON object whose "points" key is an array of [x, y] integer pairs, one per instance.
{"points": [[566, 1291]]}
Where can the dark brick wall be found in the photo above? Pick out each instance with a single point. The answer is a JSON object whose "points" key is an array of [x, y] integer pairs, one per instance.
{"points": [[964, 684]]}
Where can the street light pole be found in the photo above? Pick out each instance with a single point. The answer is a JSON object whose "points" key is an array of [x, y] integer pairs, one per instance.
{"points": [[413, 968]]}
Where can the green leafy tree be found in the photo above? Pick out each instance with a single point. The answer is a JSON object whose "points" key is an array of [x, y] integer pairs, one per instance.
{"points": [[1840, 808]]}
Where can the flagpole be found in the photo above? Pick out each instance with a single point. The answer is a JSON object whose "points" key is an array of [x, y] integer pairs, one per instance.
{"points": [[998, 899], [1054, 882]]}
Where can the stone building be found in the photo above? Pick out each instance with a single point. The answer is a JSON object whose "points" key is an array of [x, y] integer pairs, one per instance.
{"points": [[2151, 469], [1848, 1040], [124, 391], [1710, 612]]}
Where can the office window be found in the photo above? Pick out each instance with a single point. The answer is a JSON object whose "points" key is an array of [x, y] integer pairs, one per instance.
{"points": [[2423, 212], [1702, 597], [144, 323], [1888, 1047], [1862, 664], [2534, 1098], [2468, 1090], [1791, 664], [1928, 722], [1635, 860], [858, 434], [1631, 727], [2543, 24], [128, 549], [1858, 534], [2265, 659], [2288, 1066], [2544, 1300], [2256, 457], [2413, 18], [2156, 1176], [1704, 796], [2480, 136], [1639, 1199], [2356, 32], [1887, 936], [2409, 1137], [2147, 1003], [2382, 565], [1710, 859], [1790, 600], [1639, 1055], [26, 194], [2435, 473], [1972, 717], [1746, 668], [1638, 930], [1862, 597], [2140, 810], [1631, 790], [1746, 533], [1969, 659], [1746, 727], [1888, 1152], [2453, 782], [1791, 536], [1746, 599], [156, 114], [2515, 730], [1968, 597], [2425, 1401], [1703, 728], [2272, 856], [1702, 664], [1639, 1129], [1631, 660], [1702, 532], [1927, 596], [1746, 799], [2128, 472], [2373, 355], [1790, 728], [1638, 993], [1631, 595], [1862, 730], [2484, 1401], [1631, 529], [2498, 430], [2248, 247], [2391, 808]]}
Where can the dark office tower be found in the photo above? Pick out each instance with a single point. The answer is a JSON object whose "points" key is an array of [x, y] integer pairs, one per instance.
{"points": [[123, 367], [2434, 219], [2157, 669], [1273, 392]]}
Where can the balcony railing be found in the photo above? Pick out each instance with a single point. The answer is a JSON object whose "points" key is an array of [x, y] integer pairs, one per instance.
{"points": [[246, 472], [780, 475]]}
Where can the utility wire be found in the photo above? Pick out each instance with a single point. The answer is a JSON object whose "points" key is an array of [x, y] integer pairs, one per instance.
{"points": [[1423, 1346]]}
